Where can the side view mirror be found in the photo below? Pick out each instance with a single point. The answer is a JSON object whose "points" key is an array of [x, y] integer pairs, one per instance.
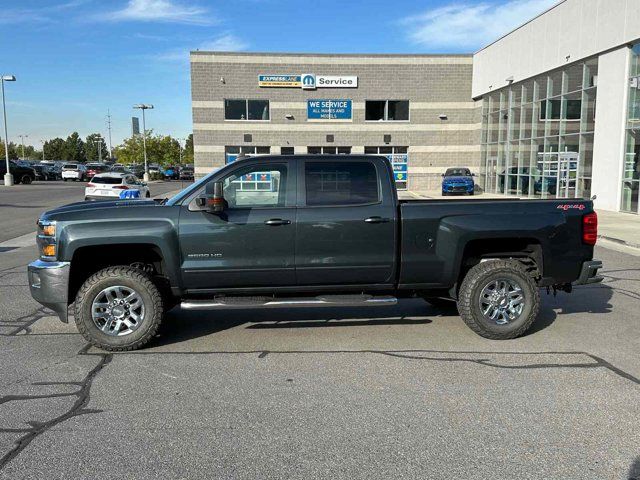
{"points": [[213, 199], [442, 175], [473, 174]]}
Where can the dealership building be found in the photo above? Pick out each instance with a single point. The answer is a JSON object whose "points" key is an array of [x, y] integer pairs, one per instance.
{"points": [[552, 109]]}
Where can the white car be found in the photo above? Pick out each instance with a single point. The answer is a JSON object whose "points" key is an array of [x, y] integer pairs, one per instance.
{"points": [[114, 185], [74, 171]]}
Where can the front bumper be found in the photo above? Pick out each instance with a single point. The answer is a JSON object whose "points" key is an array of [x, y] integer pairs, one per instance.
{"points": [[457, 188], [49, 285], [589, 273]]}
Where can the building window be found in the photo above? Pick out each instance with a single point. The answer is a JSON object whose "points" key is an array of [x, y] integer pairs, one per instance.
{"points": [[399, 162], [232, 153], [246, 110], [340, 183], [537, 135], [287, 150], [561, 109], [329, 150], [386, 110], [631, 167]]}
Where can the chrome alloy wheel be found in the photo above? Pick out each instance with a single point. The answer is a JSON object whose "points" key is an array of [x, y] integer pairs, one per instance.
{"points": [[502, 301], [117, 310]]}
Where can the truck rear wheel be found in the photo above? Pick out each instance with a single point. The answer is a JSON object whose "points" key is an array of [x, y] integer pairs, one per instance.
{"points": [[119, 309], [498, 299]]}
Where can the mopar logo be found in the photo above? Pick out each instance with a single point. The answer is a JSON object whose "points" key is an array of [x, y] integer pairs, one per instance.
{"points": [[309, 81]]}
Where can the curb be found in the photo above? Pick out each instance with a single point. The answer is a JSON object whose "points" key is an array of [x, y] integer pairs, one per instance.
{"points": [[620, 242]]}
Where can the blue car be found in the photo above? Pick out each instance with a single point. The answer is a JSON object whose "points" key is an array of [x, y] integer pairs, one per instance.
{"points": [[458, 181]]}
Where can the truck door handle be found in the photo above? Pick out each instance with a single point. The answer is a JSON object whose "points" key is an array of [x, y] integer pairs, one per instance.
{"points": [[376, 220], [274, 222]]}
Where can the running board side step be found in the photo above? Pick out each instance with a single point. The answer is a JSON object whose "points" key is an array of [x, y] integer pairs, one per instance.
{"points": [[284, 302]]}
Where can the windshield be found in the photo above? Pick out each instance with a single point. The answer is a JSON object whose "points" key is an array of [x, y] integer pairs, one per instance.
{"points": [[457, 172], [190, 189]]}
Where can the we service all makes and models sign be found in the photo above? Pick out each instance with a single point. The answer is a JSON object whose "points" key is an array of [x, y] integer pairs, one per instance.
{"points": [[329, 110], [308, 81]]}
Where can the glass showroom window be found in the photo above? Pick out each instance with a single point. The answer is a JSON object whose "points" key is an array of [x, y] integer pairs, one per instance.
{"points": [[386, 110], [537, 136], [631, 169], [246, 110], [231, 153]]}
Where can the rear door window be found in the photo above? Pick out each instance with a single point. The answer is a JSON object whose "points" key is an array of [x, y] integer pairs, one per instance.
{"points": [[341, 183]]}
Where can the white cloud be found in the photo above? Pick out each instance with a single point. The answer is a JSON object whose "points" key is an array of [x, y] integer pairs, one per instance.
{"points": [[471, 25], [224, 43], [166, 11]]}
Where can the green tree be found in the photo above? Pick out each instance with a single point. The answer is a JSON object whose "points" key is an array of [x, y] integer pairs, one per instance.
{"points": [[13, 151], [74, 148], [161, 149], [96, 148], [187, 155], [54, 149]]}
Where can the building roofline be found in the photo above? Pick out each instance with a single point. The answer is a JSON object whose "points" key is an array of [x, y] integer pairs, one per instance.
{"points": [[344, 55], [560, 2]]}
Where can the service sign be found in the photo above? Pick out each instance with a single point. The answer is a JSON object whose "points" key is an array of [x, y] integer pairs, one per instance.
{"points": [[336, 81], [308, 81], [282, 81], [329, 110]]}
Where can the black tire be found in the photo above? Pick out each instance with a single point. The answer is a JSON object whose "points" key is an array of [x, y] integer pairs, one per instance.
{"points": [[26, 179], [471, 289], [127, 277]]}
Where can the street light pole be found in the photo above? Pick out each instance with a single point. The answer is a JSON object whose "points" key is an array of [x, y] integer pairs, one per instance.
{"points": [[8, 178], [22, 137], [43, 142], [143, 107]]}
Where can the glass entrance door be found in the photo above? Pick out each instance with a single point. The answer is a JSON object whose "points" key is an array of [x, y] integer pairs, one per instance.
{"points": [[568, 175]]}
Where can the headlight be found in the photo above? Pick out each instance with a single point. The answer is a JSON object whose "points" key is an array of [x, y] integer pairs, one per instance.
{"points": [[47, 240]]}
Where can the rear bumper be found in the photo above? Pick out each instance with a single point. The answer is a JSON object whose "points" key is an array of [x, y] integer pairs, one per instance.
{"points": [[49, 285], [589, 273]]}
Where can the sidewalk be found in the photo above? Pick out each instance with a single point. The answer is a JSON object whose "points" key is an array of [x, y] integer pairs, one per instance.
{"points": [[623, 228]]}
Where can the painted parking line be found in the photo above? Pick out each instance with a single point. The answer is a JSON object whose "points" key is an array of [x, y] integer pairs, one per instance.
{"points": [[27, 240]]}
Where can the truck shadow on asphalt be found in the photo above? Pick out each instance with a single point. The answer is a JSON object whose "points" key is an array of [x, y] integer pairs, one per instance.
{"points": [[181, 326]]}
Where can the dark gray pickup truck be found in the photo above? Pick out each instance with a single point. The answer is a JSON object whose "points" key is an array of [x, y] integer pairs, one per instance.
{"points": [[285, 231]]}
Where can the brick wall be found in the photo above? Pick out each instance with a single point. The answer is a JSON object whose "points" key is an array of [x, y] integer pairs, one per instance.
{"points": [[434, 85]]}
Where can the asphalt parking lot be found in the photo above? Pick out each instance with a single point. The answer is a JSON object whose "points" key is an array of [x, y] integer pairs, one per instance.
{"points": [[390, 392]]}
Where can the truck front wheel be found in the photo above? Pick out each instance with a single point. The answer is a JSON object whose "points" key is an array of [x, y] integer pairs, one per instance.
{"points": [[498, 299], [118, 309]]}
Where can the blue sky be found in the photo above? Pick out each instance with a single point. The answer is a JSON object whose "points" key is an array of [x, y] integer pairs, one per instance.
{"points": [[74, 59]]}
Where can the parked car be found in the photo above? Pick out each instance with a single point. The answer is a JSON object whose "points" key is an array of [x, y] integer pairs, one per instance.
{"points": [[45, 172], [95, 168], [137, 170], [172, 173], [120, 169], [186, 173], [21, 174], [154, 168], [274, 231], [113, 185], [458, 181], [74, 171]]}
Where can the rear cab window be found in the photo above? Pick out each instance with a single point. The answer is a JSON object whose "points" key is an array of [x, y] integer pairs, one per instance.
{"points": [[341, 183]]}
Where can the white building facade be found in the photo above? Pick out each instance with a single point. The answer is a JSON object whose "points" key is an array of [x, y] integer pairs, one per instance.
{"points": [[561, 105]]}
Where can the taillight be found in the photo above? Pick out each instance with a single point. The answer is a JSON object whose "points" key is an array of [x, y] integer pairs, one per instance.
{"points": [[590, 228], [90, 184], [121, 187]]}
